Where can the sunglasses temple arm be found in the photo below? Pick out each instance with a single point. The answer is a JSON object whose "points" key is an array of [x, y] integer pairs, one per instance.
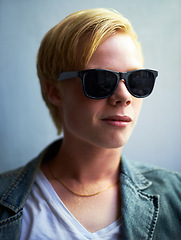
{"points": [[67, 75]]}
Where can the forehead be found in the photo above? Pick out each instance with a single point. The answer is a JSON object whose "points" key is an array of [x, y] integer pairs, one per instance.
{"points": [[118, 50]]}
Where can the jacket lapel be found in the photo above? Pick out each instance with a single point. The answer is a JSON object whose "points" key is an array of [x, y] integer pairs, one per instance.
{"points": [[140, 209]]}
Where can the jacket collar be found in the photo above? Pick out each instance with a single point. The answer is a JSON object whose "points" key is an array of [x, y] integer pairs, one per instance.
{"points": [[18, 183], [130, 170]]}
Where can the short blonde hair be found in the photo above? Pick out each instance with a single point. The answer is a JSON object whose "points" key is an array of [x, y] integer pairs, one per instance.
{"points": [[70, 44]]}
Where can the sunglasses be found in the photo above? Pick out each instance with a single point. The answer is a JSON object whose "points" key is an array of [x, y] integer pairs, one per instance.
{"points": [[101, 83]]}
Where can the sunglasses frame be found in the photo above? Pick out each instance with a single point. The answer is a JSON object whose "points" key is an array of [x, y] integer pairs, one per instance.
{"points": [[121, 76]]}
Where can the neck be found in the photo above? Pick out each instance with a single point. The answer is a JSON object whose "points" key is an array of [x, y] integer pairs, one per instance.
{"points": [[86, 163]]}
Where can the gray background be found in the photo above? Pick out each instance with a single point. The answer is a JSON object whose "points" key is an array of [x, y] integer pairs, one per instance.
{"points": [[25, 125]]}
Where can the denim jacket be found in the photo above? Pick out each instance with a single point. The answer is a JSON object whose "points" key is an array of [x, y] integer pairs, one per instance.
{"points": [[151, 199]]}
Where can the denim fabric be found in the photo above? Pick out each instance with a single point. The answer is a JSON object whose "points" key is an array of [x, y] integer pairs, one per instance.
{"points": [[151, 199], [151, 203]]}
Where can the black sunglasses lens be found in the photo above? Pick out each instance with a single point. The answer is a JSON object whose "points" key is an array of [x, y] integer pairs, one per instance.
{"points": [[99, 83], [141, 83]]}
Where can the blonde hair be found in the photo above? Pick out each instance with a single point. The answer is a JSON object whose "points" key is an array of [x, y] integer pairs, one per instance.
{"points": [[70, 44]]}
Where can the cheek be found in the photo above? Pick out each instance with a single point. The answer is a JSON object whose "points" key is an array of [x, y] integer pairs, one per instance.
{"points": [[77, 112], [70, 114]]}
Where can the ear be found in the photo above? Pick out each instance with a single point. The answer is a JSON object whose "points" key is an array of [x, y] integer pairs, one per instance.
{"points": [[53, 93]]}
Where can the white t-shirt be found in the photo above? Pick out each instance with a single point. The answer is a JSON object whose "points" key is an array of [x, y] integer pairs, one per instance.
{"points": [[46, 217]]}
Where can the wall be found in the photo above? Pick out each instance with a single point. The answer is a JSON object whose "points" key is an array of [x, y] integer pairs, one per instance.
{"points": [[25, 125]]}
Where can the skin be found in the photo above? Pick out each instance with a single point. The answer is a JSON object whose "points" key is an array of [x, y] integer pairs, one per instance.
{"points": [[89, 158]]}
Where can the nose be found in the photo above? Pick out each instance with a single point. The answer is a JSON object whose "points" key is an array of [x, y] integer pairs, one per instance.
{"points": [[121, 95]]}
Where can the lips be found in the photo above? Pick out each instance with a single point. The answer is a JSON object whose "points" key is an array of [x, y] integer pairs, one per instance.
{"points": [[117, 120]]}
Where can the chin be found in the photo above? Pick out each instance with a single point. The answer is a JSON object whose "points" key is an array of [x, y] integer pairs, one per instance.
{"points": [[113, 144]]}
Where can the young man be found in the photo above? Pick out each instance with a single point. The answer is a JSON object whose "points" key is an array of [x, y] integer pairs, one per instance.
{"points": [[90, 67]]}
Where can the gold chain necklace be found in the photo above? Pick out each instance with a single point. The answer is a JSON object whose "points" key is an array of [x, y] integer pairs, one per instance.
{"points": [[78, 194]]}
